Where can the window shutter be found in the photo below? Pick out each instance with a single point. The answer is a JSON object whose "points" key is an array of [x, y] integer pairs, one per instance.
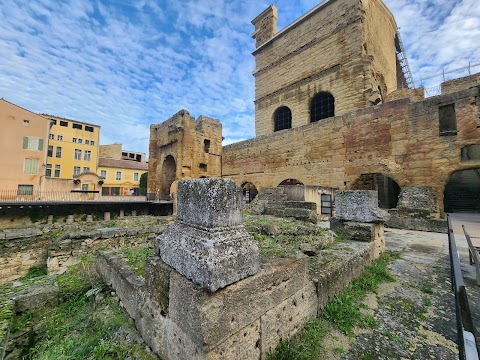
{"points": [[25, 142], [40, 144]]}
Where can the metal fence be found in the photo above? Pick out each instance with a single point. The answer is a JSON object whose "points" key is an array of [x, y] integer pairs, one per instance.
{"points": [[466, 333], [14, 197]]}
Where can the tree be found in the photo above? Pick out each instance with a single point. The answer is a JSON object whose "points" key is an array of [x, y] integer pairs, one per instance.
{"points": [[143, 184]]}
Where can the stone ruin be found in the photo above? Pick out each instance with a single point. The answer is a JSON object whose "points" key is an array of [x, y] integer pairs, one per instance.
{"points": [[207, 294]]}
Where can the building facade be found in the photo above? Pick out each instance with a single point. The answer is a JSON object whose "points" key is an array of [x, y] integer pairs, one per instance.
{"points": [[120, 170], [72, 148], [332, 111], [338, 57], [24, 145]]}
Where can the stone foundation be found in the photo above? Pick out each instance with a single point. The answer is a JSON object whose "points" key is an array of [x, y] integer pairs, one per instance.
{"points": [[246, 320]]}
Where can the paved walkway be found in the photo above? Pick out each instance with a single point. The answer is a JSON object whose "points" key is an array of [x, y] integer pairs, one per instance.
{"points": [[416, 314]]}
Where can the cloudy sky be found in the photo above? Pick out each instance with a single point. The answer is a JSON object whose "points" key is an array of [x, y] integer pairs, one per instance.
{"points": [[126, 64]]}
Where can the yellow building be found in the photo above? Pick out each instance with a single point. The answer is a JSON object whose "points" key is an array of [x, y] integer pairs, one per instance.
{"points": [[72, 148], [23, 140], [121, 170]]}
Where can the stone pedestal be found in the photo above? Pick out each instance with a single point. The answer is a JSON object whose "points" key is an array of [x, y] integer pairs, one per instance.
{"points": [[70, 219], [89, 218], [207, 243], [122, 214], [106, 216], [359, 218], [50, 219]]}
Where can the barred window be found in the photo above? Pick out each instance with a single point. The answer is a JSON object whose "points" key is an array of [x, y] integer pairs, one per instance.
{"points": [[282, 118], [25, 189], [322, 107]]}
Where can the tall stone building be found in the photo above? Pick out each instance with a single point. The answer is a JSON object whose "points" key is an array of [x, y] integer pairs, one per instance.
{"points": [[182, 148], [332, 111], [338, 57]]}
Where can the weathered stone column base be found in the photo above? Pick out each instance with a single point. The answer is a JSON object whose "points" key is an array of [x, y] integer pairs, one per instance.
{"points": [[211, 257], [365, 232]]}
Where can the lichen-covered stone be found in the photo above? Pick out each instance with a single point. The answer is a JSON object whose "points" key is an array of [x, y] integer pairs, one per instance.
{"points": [[208, 243], [359, 205], [418, 198]]}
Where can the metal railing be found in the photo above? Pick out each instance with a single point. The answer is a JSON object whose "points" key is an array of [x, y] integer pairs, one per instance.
{"points": [[466, 333], [15, 197]]}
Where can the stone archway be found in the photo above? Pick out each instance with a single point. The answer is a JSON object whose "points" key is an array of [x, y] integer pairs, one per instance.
{"points": [[249, 192], [290, 182], [168, 176], [462, 192], [387, 188]]}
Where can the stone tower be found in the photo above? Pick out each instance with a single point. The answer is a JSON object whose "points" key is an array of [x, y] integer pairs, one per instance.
{"points": [[338, 57], [182, 148]]}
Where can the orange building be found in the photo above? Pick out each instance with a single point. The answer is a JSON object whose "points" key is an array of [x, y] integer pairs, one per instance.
{"points": [[24, 140]]}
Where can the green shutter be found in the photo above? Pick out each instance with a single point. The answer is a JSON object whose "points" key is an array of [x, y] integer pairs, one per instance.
{"points": [[40, 144], [25, 142]]}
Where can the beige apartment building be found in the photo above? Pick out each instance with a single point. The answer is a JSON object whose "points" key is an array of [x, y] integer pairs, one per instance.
{"points": [[24, 146]]}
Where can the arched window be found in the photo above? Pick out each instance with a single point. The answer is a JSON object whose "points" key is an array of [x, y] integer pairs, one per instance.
{"points": [[322, 107], [282, 118]]}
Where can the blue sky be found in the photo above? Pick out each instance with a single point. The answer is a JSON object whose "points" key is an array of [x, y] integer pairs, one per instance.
{"points": [[126, 64]]}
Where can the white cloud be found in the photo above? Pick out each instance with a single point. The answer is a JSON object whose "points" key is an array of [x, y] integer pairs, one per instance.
{"points": [[125, 65]]}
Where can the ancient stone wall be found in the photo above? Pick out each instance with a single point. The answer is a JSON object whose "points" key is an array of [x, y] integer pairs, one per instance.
{"points": [[182, 148], [56, 247], [344, 47], [399, 139], [460, 84]]}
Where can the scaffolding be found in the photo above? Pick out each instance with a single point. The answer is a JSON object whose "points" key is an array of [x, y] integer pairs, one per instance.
{"points": [[402, 59]]}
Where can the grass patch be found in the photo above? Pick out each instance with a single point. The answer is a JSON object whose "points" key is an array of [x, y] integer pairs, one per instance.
{"points": [[85, 323], [282, 237], [34, 272], [427, 289], [304, 345], [136, 258], [343, 311]]}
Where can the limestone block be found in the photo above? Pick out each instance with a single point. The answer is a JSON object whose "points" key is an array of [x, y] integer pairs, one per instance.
{"points": [[244, 344], [211, 258], [418, 198], [365, 232], [301, 214], [209, 202], [157, 281], [359, 205], [210, 318], [207, 242], [288, 317]]}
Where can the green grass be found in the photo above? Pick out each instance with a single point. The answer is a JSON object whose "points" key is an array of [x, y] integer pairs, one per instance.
{"points": [[427, 289], [136, 258], [290, 235], [34, 272], [304, 345], [84, 324], [343, 311]]}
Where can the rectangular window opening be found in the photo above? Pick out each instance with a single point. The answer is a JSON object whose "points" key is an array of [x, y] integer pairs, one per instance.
{"points": [[25, 189], [447, 120], [63, 123], [77, 126]]}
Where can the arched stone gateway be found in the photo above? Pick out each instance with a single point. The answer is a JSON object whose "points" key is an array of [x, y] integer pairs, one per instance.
{"points": [[289, 182], [388, 189], [462, 192], [249, 192], [168, 176]]}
